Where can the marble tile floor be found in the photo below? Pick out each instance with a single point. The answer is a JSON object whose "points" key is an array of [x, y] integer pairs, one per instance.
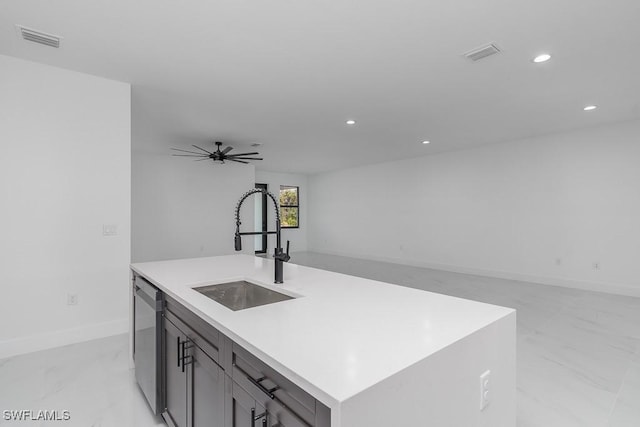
{"points": [[91, 380], [578, 352], [578, 356]]}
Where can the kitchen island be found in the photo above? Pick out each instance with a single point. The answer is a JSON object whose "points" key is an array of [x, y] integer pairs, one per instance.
{"points": [[373, 353]]}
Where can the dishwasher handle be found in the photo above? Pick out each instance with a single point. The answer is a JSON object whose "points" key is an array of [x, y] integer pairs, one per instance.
{"points": [[149, 294]]}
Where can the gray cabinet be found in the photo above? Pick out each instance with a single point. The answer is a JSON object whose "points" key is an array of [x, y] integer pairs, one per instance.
{"points": [[279, 416], [247, 412], [286, 403], [175, 377], [196, 387], [209, 387], [253, 408], [211, 381]]}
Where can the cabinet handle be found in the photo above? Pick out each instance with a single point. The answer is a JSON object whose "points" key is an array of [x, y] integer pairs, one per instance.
{"points": [[186, 360], [178, 349], [255, 418], [258, 383]]}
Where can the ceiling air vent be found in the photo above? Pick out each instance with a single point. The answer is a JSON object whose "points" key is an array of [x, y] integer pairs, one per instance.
{"points": [[482, 52], [39, 37]]}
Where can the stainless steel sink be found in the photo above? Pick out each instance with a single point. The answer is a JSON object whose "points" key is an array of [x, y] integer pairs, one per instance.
{"points": [[241, 294]]}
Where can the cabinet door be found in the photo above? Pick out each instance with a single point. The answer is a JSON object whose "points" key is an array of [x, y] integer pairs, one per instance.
{"points": [[175, 378], [244, 407], [207, 391], [281, 417], [263, 383], [276, 414]]}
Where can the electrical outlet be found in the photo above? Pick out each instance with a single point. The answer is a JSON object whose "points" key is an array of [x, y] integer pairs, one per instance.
{"points": [[485, 396], [558, 261], [72, 299], [109, 230], [596, 265]]}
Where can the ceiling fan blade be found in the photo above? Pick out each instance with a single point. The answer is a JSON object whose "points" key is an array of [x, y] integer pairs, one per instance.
{"points": [[185, 151], [199, 160], [242, 154], [244, 158], [226, 150], [208, 152], [239, 161], [191, 155]]}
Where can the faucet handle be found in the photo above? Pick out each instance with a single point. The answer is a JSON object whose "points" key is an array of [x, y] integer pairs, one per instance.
{"points": [[286, 256]]}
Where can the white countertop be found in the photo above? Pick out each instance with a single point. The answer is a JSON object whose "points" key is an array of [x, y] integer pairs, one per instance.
{"points": [[341, 336]]}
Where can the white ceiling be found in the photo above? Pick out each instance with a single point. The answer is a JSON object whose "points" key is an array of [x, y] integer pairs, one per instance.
{"points": [[288, 73]]}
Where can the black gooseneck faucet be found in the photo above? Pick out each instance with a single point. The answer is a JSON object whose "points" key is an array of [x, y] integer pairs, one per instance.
{"points": [[279, 256]]}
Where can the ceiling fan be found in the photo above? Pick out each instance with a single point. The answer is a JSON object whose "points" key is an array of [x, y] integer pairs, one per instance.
{"points": [[218, 155]]}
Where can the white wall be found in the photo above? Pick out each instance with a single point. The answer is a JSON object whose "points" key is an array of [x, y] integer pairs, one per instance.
{"points": [[297, 236], [543, 209], [64, 173], [185, 209]]}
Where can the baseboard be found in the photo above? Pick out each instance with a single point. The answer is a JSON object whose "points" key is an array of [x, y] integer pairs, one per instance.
{"points": [[17, 346], [605, 287]]}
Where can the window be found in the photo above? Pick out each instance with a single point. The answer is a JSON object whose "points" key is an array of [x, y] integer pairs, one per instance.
{"points": [[289, 207]]}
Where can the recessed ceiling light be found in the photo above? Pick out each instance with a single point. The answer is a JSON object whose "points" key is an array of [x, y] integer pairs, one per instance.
{"points": [[351, 122], [426, 142], [542, 58], [590, 107]]}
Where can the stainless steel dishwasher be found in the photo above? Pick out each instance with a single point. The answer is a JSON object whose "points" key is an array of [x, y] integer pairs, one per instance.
{"points": [[147, 344]]}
